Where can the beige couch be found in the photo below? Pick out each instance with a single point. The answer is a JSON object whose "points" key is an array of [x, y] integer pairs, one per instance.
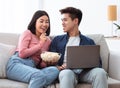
{"points": [[111, 62]]}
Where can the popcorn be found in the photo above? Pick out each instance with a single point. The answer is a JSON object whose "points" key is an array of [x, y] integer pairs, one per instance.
{"points": [[50, 56]]}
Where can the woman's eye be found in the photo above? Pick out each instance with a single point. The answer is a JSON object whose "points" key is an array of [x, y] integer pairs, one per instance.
{"points": [[47, 21], [41, 21], [44, 21]]}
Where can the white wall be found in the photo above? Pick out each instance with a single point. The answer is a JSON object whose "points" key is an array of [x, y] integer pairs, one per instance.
{"points": [[16, 14], [94, 15]]}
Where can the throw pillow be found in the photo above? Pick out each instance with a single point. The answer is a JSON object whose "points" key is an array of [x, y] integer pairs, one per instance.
{"points": [[104, 50], [5, 52]]}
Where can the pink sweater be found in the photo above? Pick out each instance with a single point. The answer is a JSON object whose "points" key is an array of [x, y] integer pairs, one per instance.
{"points": [[30, 46]]}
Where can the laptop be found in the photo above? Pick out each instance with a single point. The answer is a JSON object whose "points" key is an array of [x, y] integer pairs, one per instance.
{"points": [[83, 56]]}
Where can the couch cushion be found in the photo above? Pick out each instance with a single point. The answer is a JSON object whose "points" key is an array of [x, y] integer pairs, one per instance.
{"points": [[5, 52], [9, 38], [114, 64], [6, 83], [104, 50], [113, 83]]}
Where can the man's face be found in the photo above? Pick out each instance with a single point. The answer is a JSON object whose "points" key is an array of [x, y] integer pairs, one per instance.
{"points": [[67, 23]]}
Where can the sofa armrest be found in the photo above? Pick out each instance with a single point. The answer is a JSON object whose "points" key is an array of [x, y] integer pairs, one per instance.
{"points": [[114, 64]]}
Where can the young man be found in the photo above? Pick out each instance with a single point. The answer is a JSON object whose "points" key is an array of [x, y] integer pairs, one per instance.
{"points": [[71, 18]]}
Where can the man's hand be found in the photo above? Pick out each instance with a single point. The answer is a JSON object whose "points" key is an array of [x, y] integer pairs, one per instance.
{"points": [[62, 67]]}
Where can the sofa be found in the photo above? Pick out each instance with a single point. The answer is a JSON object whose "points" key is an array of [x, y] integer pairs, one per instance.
{"points": [[110, 60]]}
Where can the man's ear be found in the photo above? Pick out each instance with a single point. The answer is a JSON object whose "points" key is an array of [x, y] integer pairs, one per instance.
{"points": [[76, 20]]}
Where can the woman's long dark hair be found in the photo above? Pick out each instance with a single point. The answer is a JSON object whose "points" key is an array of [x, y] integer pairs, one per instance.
{"points": [[32, 23]]}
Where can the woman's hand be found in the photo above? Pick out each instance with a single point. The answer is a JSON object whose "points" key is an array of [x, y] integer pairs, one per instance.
{"points": [[43, 37], [43, 64]]}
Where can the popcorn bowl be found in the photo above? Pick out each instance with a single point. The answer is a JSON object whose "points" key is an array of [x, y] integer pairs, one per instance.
{"points": [[50, 56]]}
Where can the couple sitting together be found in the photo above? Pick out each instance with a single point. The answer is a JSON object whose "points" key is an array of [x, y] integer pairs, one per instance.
{"points": [[26, 65]]}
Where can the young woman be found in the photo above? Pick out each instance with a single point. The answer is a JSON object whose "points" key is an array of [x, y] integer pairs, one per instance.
{"points": [[26, 65]]}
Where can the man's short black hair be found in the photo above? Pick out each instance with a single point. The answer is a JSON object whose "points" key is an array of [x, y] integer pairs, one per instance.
{"points": [[73, 12]]}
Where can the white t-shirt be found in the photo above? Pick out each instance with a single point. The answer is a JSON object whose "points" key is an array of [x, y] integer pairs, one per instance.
{"points": [[73, 41]]}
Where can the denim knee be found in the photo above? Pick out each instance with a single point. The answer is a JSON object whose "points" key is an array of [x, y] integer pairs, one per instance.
{"points": [[51, 73], [69, 74], [100, 71], [44, 77], [100, 74], [100, 78], [67, 79]]}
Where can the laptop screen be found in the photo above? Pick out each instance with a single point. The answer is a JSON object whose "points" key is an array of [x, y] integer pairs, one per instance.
{"points": [[84, 56]]}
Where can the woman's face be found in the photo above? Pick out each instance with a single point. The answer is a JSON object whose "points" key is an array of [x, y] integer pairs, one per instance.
{"points": [[42, 24]]}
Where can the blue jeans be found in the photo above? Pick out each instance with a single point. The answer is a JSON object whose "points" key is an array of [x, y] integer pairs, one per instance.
{"points": [[97, 77], [24, 70]]}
